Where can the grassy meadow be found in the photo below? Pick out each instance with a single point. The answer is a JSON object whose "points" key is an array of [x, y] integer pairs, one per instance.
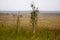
{"points": [[48, 27]]}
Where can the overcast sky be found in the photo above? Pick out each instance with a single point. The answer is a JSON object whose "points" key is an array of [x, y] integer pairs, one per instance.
{"points": [[24, 5]]}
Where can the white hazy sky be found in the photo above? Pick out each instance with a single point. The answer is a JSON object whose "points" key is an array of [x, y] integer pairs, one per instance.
{"points": [[24, 5]]}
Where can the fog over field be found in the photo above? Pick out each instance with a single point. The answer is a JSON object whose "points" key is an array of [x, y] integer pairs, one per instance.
{"points": [[56, 12]]}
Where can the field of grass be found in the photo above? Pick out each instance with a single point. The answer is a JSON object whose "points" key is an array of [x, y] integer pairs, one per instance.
{"points": [[24, 34], [48, 28]]}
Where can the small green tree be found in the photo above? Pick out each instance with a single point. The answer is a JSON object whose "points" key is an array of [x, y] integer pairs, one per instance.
{"points": [[33, 17]]}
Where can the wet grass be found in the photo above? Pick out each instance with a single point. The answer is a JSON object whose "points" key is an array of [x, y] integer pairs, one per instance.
{"points": [[24, 34]]}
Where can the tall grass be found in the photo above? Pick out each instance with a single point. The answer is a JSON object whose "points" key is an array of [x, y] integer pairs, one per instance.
{"points": [[7, 33]]}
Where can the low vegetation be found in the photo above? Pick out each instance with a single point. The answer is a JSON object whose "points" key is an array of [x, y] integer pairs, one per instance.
{"points": [[7, 33]]}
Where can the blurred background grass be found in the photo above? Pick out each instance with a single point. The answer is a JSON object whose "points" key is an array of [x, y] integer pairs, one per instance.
{"points": [[48, 27], [7, 33]]}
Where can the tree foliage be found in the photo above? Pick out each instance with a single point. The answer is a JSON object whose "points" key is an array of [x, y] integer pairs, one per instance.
{"points": [[33, 17]]}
